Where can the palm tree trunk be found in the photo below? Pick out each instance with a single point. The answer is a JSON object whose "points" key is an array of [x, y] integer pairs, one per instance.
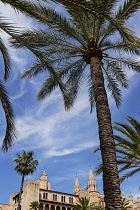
{"points": [[111, 185], [21, 188]]}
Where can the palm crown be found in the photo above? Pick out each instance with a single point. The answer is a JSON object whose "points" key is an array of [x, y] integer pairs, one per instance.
{"points": [[70, 46], [25, 165]]}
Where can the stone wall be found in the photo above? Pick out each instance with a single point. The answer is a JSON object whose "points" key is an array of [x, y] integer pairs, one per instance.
{"points": [[4, 207]]}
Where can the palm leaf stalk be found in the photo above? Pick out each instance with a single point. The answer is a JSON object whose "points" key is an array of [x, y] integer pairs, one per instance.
{"points": [[25, 165], [65, 50]]}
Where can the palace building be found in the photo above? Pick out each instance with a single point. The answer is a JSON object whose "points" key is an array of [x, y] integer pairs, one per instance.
{"points": [[40, 190]]}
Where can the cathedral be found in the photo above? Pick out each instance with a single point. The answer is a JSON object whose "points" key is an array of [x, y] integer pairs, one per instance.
{"points": [[40, 190]]}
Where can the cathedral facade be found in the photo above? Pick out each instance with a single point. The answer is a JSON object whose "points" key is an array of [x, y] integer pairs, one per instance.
{"points": [[40, 190]]}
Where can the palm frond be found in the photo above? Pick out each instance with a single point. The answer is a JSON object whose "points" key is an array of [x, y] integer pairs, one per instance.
{"points": [[112, 86], [48, 86], [128, 62], [75, 78], [134, 123], [116, 72], [6, 57], [10, 134], [34, 70], [99, 169], [127, 175], [128, 9]]}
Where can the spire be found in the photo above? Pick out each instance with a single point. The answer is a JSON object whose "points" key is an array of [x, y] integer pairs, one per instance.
{"points": [[91, 186], [123, 195], [91, 176], [131, 197], [77, 187]]}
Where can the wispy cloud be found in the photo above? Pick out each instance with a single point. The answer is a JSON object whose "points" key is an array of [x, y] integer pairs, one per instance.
{"points": [[58, 133]]}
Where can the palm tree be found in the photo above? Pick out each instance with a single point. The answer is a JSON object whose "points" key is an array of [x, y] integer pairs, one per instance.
{"points": [[25, 165], [69, 45], [127, 148], [83, 204], [34, 205]]}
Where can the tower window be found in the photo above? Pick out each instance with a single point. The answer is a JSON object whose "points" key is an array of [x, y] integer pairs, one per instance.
{"points": [[62, 198]]}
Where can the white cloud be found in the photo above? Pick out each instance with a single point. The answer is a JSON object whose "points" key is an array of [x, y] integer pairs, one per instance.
{"points": [[55, 131], [78, 148]]}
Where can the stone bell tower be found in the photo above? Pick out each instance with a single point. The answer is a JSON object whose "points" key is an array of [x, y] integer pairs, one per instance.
{"points": [[77, 187], [44, 184], [91, 185]]}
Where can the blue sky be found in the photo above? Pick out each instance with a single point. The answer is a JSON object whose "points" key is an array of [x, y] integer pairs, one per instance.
{"points": [[62, 141]]}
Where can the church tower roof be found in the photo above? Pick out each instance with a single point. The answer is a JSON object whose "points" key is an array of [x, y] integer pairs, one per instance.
{"points": [[91, 176], [77, 187], [91, 185]]}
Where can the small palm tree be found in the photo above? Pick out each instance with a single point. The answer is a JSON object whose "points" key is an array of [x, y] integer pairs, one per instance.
{"points": [[25, 165], [80, 47], [34, 205], [125, 204], [83, 204]]}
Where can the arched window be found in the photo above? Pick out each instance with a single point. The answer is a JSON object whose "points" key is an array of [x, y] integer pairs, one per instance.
{"points": [[46, 207], [44, 195], [54, 197], [52, 207], [62, 198], [58, 208], [70, 200]]}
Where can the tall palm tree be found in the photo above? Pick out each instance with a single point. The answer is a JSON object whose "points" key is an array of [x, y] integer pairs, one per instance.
{"points": [[127, 148], [69, 45], [34, 205], [25, 165], [83, 204]]}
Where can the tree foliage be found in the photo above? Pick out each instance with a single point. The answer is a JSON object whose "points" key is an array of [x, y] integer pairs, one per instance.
{"points": [[127, 148], [34, 205]]}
